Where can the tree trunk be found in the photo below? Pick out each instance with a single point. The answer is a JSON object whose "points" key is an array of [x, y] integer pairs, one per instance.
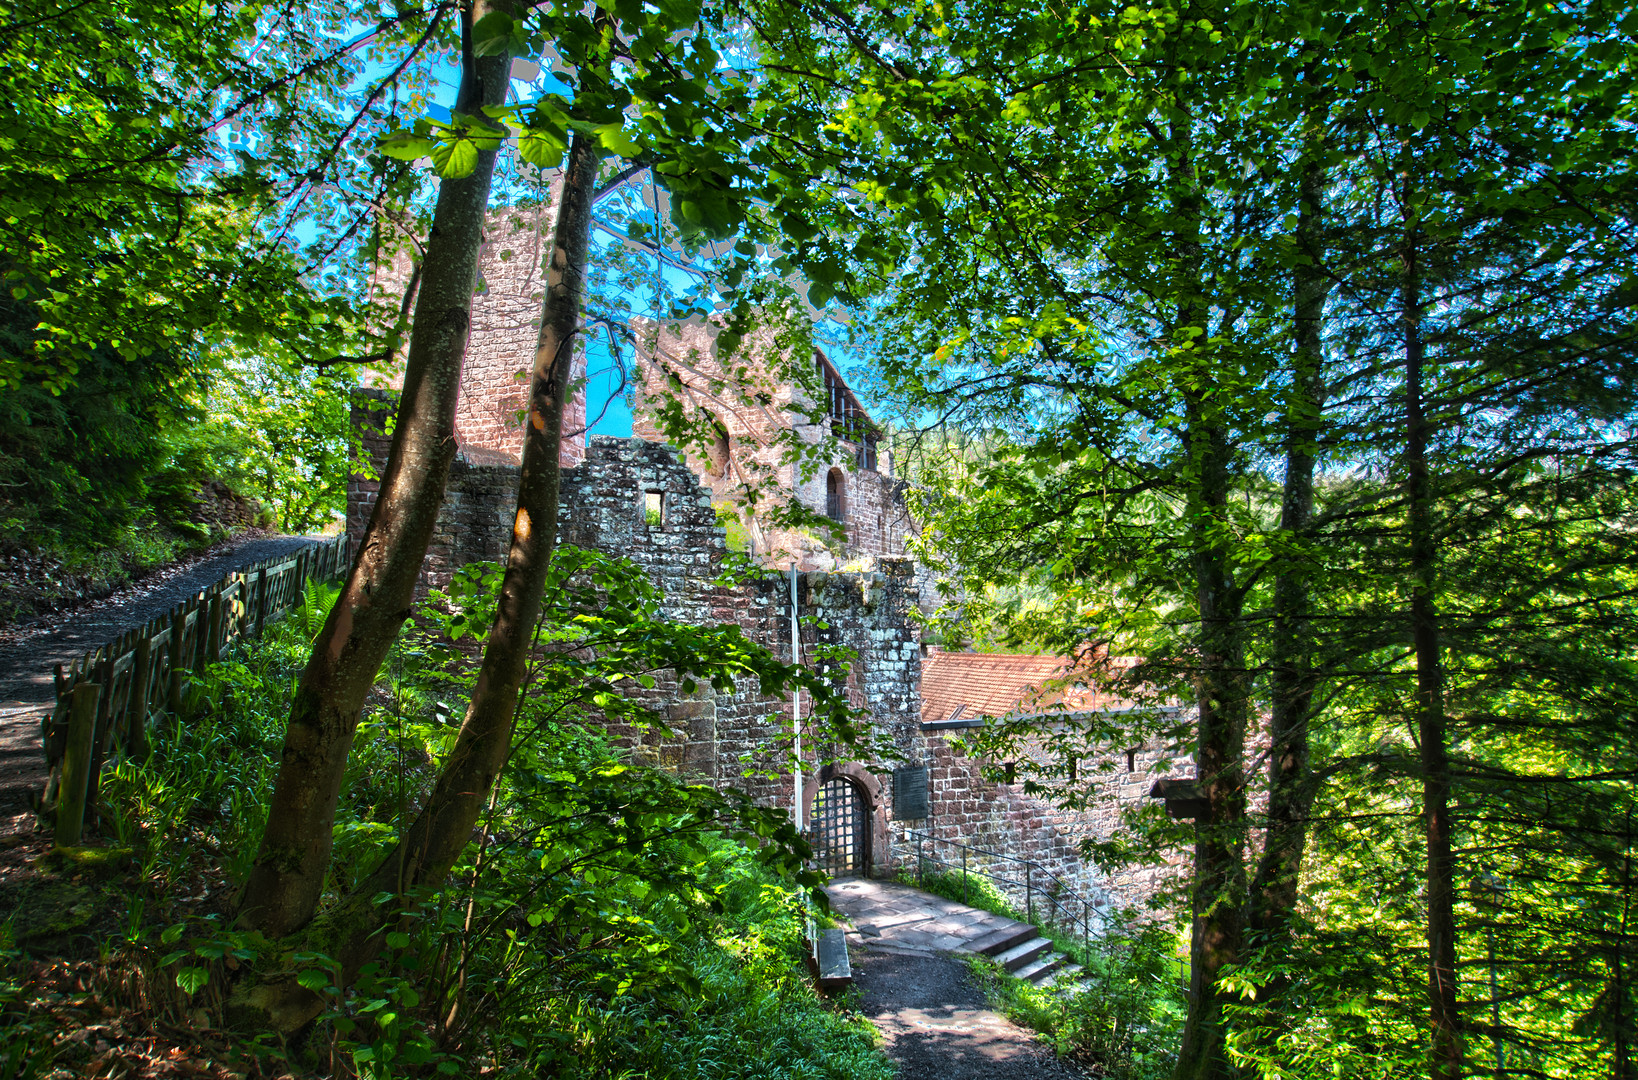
{"points": [[1219, 869], [352, 932], [1218, 900], [1446, 1063], [433, 843], [287, 878], [1291, 792]]}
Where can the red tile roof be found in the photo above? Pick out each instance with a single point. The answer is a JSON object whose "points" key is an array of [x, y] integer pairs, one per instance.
{"points": [[960, 686]]}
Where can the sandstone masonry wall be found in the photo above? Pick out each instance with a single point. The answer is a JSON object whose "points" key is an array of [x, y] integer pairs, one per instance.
{"points": [[861, 620], [500, 350], [753, 401], [986, 812]]}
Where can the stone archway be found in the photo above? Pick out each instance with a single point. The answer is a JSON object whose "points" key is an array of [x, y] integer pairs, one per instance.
{"points": [[846, 822]]}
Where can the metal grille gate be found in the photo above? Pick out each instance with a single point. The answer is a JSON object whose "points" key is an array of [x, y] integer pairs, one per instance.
{"points": [[840, 830]]}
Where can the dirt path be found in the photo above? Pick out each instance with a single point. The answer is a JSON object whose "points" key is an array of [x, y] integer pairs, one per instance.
{"points": [[26, 687], [906, 947], [935, 1024]]}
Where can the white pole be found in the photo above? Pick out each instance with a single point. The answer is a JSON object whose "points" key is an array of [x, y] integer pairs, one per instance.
{"points": [[796, 709]]}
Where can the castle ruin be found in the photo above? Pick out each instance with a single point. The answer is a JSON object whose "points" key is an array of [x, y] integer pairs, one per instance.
{"points": [[672, 513]]}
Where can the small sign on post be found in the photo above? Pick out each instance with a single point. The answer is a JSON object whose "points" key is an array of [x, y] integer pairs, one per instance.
{"points": [[1183, 799]]}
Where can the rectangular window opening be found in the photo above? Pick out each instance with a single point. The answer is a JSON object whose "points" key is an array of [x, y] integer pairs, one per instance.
{"points": [[1131, 761], [654, 509]]}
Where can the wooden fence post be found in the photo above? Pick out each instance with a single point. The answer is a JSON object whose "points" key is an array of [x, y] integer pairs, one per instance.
{"points": [[241, 608], [201, 644], [82, 727], [179, 629], [213, 634], [136, 714], [104, 676]]}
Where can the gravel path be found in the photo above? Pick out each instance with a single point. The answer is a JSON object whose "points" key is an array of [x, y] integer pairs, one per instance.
{"points": [[26, 687], [935, 1025]]}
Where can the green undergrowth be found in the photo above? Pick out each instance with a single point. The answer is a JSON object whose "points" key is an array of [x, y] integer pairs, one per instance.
{"points": [[1125, 1019], [614, 921]]}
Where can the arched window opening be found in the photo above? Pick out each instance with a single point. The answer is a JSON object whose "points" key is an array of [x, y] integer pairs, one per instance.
{"points": [[835, 495], [718, 452]]}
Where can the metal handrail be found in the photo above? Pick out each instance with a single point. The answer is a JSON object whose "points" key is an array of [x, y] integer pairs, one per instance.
{"points": [[1055, 894]]}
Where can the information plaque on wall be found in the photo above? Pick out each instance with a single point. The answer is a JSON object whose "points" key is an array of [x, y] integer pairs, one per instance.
{"points": [[910, 793]]}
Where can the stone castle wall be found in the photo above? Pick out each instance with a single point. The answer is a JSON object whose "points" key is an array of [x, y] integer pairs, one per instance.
{"points": [[753, 401], [500, 350], [977, 808], [741, 738], [475, 522]]}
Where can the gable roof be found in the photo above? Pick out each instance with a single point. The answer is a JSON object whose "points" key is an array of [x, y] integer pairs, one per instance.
{"points": [[964, 686]]}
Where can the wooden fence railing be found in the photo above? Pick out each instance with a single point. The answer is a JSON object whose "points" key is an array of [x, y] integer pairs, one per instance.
{"points": [[107, 699]]}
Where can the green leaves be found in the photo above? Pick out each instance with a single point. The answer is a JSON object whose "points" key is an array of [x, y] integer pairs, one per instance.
{"points": [[456, 157], [453, 147], [543, 149], [407, 146], [497, 33], [616, 140], [163, 179]]}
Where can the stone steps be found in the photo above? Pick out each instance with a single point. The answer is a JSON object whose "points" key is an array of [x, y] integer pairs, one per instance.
{"points": [[1020, 956], [899, 917], [1002, 938], [1040, 970], [1025, 954]]}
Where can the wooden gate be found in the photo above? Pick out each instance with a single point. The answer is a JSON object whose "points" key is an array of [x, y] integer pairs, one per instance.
{"points": [[841, 829]]}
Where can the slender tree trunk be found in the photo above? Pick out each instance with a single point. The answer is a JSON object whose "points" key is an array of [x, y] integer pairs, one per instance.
{"points": [[287, 878], [352, 932], [1222, 700], [1446, 1063], [433, 843], [1219, 868], [1618, 973], [1291, 792]]}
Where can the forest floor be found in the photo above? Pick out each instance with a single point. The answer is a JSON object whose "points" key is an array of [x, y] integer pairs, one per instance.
{"points": [[28, 652]]}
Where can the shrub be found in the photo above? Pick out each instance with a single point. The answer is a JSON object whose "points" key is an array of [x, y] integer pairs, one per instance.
{"points": [[1125, 1019]]}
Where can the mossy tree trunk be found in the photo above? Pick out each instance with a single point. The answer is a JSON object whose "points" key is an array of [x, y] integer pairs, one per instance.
{"points": [[288, 875], [353, 931]]}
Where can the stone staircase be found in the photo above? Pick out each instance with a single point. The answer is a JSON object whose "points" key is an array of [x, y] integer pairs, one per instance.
{"points": [[1025, 954], [885, 914]]}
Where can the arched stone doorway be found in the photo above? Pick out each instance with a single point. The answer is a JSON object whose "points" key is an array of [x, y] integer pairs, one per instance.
{"points": [[836, 495], [845, 823], [841, 828]]}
